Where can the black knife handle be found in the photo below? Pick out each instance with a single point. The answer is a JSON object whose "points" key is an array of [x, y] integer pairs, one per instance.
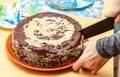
{"points": [[112, 19], [99, 27]]}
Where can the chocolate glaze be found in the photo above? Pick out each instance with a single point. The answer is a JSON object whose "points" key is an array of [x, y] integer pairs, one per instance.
{"points": [[20, 37]]}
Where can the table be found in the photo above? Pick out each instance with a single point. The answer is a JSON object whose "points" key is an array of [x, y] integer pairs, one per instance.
{"points": [[8, 68]]}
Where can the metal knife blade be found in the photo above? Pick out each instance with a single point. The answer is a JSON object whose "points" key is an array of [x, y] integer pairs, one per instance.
{"points": [[99, 27]]}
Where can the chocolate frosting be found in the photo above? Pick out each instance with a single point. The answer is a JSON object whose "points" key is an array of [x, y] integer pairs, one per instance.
{"points": [[20, 37]]}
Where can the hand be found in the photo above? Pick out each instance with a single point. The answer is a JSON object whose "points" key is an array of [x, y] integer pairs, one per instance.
{"points": [[114, 11], [90, 59]]}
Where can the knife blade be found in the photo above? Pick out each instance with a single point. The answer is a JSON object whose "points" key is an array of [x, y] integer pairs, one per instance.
{"points": [[99, 27]]}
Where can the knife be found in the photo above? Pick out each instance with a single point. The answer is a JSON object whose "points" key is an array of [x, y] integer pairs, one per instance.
{"points": [[99, 27]]}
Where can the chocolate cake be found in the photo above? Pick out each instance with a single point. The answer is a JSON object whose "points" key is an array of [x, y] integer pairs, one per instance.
{"points": [[47, 40]]}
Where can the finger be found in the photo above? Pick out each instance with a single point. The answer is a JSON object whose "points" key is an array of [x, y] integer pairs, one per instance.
{"points": [[80, 63], [77, 65], [117, 20], [96, 68], [111, 13]]}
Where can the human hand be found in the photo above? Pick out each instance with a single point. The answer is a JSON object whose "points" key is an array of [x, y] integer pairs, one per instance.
{"points": [[90, 59], [114, 11]]}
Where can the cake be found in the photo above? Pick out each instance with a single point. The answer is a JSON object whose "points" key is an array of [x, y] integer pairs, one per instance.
{"points": [[47, 40]]}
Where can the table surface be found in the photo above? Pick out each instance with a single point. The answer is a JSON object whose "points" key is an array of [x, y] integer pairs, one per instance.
{"points": [[9, 68]]}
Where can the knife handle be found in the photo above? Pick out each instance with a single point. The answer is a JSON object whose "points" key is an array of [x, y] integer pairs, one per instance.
{"points": [[112, 19], [99, 27]]}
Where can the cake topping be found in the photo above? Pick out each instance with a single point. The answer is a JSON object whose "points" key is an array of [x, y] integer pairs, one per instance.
{"points": [[50, 30]]}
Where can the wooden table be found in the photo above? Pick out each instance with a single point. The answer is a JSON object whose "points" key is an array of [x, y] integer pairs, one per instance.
{"points": [[8, 68]]}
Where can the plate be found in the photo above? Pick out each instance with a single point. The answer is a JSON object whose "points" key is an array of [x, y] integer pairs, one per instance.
{"points": [[15, 59], [69, 4]]}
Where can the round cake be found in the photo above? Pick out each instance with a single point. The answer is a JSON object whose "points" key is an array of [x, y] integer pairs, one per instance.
{"points": [[47, 40]]}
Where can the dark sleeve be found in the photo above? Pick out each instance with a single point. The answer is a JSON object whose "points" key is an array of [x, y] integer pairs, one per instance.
{"points": [[109, 46]]}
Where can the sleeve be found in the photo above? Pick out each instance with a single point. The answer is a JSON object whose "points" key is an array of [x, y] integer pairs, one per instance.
{"points": [[109, 46]]}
